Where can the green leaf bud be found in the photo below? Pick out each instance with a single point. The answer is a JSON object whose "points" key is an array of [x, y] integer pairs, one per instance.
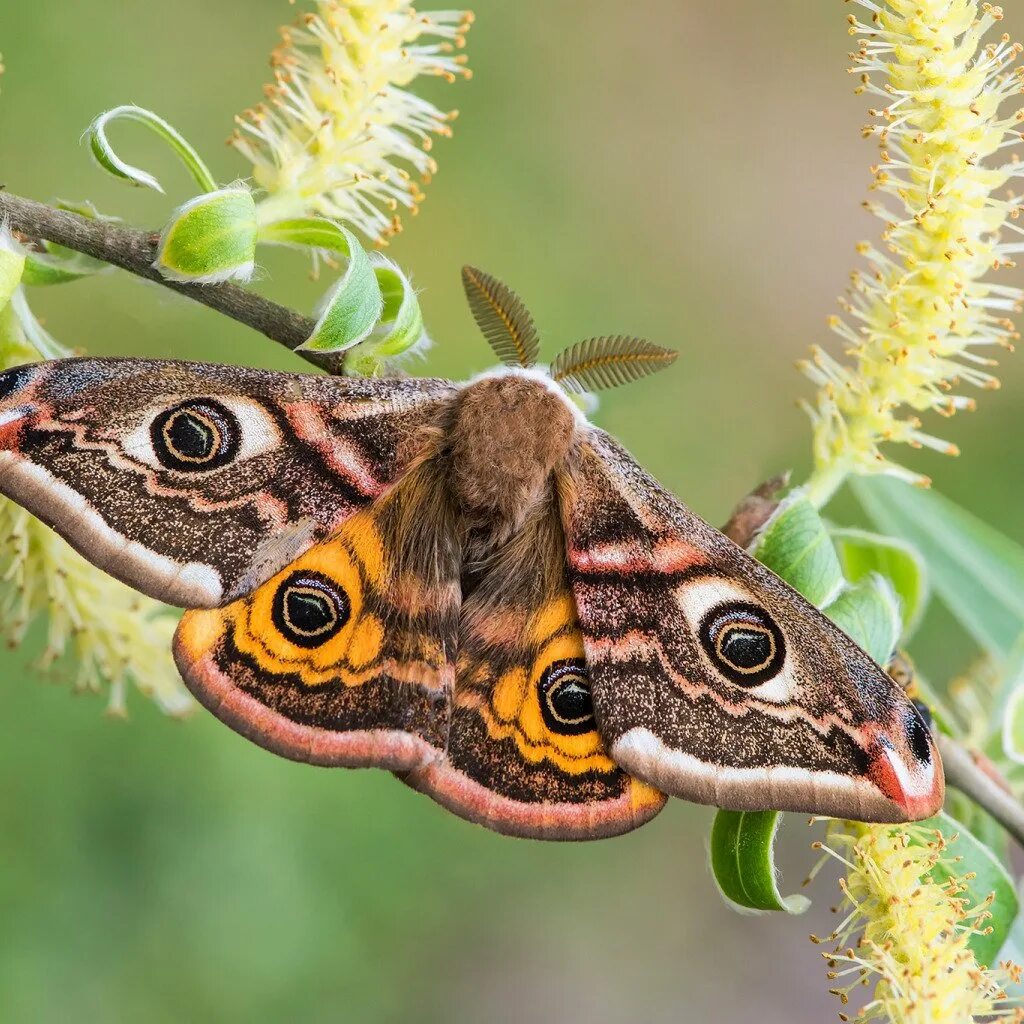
{"points": [[211, 238]]}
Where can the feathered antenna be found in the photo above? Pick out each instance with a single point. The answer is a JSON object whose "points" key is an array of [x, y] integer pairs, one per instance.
{"points": [[590, 365], [599, 363], [504, 319]]}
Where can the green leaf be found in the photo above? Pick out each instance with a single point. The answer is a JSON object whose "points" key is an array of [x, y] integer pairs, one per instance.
{"points": [[1010, 704], [976, 571], [12, 267], [351, 309], [742, 845], [48, 268], [862, 554], [210, 238], [307, 233], [399, 327], [110, 161], [983, 874], [401, 321], [796, 545], [869, 614]]}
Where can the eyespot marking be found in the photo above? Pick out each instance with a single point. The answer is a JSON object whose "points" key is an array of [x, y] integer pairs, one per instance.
{"points": [[309, 609], [565, 700], [743, 642], [196, 436]]}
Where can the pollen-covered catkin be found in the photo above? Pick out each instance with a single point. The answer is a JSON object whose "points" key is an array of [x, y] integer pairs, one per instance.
{"points": [[922, 319], [340, 135]]}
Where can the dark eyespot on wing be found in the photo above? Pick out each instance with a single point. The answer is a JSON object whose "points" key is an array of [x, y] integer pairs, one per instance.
{"points": [[196, 436], [309, 609], [924, 711], [565, 702], [743, 642]]}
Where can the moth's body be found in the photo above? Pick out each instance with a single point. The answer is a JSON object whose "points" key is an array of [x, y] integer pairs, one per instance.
{"points": [[469, 585], [510, 429]]}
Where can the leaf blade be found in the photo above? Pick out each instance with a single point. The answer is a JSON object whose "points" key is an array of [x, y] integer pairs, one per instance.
{"points": [[108, 159], [869, 613], [863, 554], [976, 571], [742, 860], [796, 545], [351, 308]]}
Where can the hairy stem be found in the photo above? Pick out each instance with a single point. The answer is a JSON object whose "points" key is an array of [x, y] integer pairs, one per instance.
{"points": [[135, 251]]}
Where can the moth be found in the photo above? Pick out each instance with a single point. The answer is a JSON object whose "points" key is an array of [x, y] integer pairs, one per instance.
{"points": [[466, 584]]}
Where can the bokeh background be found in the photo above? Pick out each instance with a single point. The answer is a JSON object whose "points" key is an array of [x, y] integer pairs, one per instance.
{"points": [[688, 172]]}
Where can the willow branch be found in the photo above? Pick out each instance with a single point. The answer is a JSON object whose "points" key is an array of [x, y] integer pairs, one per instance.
{"points": [[964, 773], [135, 251]]}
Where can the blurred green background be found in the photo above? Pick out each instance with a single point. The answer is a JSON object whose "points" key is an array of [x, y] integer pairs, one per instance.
{"points": [[678, 170]]}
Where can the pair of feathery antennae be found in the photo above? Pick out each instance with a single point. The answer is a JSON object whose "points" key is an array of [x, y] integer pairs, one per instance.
{"points": [[591, 365]]}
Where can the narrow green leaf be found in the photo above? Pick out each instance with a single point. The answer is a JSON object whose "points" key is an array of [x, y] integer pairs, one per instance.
{"points": [[983, 874], [108, 159], [400, 324], [307, 233], [869, 613], [401, 321], [796, 545], [862, 554], [352, 308], [742, 845], [210, 238], [1010, 704], [48, 269], [976, 571]]}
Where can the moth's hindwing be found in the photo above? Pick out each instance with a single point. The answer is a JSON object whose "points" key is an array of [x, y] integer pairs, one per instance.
{"points": [[345, 657], [714, 680], [195, 483], [524, 754]]}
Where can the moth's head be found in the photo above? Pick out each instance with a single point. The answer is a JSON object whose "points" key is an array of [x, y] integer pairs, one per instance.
{"points": [[591, 365]]}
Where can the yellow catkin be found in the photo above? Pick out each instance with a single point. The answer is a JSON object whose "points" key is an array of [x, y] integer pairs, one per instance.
{"points": [[902, 947], [921, 318], [339, 134]]}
